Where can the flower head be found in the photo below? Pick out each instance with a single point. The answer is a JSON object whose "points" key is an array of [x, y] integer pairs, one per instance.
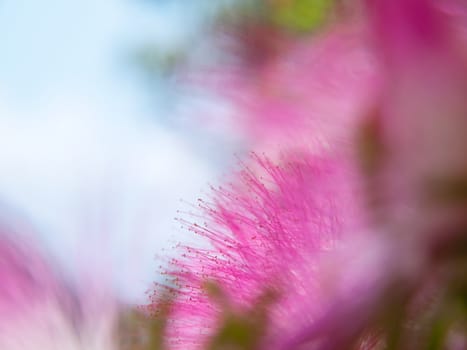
{"points": [[266, 232]]}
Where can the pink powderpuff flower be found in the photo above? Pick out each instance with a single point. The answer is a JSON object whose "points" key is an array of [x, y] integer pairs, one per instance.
{"points": [[39, 308], [281, 231], [300, 229]]}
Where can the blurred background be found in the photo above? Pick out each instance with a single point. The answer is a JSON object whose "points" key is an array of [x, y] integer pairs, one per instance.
{"points": [[97, 147], [111, 122]]}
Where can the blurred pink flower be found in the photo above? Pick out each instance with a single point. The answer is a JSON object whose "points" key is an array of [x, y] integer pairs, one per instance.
{"points": [[312, 96], [422, 115], [39, 308], [27, 279], [307, 95]]}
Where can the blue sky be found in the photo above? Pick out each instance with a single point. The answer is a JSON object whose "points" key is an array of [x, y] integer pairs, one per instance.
{"points": [[82, 154], [79, 45]]}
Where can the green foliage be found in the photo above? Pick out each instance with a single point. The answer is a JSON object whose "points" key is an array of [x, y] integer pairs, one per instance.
{"points": [[240, 329], [301, 15], [157, 62], [139, 331], [449, 190], [370, 144], [298, 16], [237, 332]]}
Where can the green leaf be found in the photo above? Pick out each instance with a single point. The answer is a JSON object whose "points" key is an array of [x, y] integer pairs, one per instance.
{"points": [[139, 331], [239, 329], [301, 15]]}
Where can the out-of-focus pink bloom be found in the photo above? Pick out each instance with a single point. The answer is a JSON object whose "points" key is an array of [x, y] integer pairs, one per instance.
{"points": [[18, 284], [312, 96], [309, 95], [40, 310], [27, 279], [360, 281], [422, 114]]}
